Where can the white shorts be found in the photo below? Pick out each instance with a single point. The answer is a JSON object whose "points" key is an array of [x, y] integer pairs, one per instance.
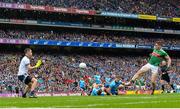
{"points": [[154, 69], [141, 87]]}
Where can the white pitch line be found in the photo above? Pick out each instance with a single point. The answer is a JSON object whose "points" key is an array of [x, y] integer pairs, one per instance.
{"points": [[152, 102], [149, 102]]}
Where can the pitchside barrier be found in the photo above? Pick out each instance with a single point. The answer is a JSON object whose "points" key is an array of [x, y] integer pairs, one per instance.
{"points": [[80, 94]]}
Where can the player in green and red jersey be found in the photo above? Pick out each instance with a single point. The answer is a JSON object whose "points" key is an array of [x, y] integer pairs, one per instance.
{"points": [[156, 58]]}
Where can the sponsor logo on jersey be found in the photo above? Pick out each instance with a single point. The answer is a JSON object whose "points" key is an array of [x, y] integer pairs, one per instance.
{"points": [[156, 54]]}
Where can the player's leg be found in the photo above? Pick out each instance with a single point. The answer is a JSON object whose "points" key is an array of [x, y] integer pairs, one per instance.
{"points": [[153, 82], [162, 84], [169, 83], [120, 88], [108, 91], [172, 86], [27, 89], [83, 90], [138, 88], [154, 71], [141, 72], [24, 79], [33, 86]]}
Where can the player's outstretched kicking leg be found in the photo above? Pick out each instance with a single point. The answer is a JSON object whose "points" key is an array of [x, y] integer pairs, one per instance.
{"points": [[144, 69]]}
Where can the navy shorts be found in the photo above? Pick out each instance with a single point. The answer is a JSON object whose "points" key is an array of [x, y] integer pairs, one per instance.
{"points": [[24, 79], [165, 77]]}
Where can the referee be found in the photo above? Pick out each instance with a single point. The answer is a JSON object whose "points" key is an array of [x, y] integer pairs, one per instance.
{"points": [[165, 76]]}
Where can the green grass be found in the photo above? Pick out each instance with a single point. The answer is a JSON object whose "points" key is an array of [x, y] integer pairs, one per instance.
{"points": [[125, 101]]}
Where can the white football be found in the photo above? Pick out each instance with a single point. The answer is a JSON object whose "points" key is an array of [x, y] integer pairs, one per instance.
{"points": [[172, 91], [82, 65]]}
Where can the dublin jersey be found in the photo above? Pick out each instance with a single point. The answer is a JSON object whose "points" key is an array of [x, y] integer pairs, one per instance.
{"points": [[82, 84], [97, 79], [114, 86]]}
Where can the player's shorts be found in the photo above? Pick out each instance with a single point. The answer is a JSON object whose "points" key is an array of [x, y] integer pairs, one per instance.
{"points": [[165, 77], [141, 87], [154, 69], [25, 79]]}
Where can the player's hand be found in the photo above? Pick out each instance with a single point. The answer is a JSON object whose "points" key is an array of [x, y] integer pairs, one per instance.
{"points": [[38, 64]]}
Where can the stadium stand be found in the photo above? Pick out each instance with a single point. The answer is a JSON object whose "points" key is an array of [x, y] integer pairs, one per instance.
{"points": [[152, 7], [133, 38]]}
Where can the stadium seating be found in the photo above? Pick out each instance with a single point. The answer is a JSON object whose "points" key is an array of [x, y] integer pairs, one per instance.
{"points": [[161, 8], [85, 37]]}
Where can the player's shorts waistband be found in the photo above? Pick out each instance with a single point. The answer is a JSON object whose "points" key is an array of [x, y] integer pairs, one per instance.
{"points": [[23, 74]]}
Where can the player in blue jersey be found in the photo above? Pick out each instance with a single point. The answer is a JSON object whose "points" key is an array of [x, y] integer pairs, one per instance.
{"points": [[107, 82], [114, 86], [97, 89], [97, 78], [82, 84]]}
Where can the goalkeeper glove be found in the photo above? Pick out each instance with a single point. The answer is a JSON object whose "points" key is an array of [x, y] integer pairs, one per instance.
{"points": [[38, 64]]}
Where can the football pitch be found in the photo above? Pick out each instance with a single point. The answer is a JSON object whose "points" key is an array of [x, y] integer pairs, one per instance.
{"points": [[121, 101]]}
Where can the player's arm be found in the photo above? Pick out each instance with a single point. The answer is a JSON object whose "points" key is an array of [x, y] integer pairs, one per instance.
{"points": [[168, 59], [38, 64], [27, 63], [31, 67]]}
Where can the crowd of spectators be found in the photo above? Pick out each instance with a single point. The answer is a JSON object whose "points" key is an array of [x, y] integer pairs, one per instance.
{"points": [[154, 7], [131, 38], [61, 72]]}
